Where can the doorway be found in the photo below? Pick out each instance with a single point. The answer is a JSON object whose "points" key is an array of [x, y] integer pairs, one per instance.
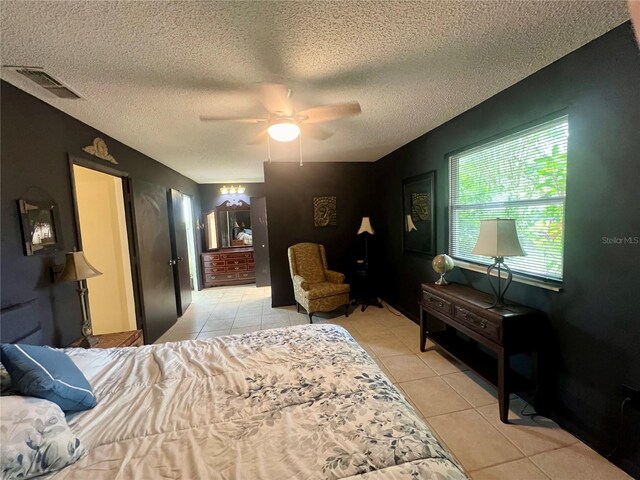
{"points": [[102, 225], [191, 241]]}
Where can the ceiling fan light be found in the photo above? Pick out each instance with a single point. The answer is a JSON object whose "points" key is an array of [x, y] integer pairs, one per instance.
{"points": [[284, 131], [240, 189], [224, 190], [232, 190]]}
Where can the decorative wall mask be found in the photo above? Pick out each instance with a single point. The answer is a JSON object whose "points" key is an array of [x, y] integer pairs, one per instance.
{"points": [[420, 206], [99, 149], [324, 212]]}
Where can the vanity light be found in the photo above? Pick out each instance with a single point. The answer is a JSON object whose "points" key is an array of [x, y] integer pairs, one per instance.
{"points": [[224, 190]]}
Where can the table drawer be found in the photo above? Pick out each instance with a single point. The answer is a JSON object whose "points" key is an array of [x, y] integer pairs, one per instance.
{"points": [[482, 326], [215, 270], [210, 257], [440, 304], [217, 277], [235, 261], [237, 268], [213, 264], [243, 275], [227, 256]]}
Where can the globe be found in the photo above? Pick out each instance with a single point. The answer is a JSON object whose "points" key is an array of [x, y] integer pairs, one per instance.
{"points": [[442, 264]]}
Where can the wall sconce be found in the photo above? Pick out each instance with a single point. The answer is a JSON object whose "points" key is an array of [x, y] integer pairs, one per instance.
{"points": [[224, 190]]}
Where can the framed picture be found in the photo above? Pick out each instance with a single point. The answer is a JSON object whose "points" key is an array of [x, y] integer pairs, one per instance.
{"points": [[325, 211], [40, 221], [418, 214]]}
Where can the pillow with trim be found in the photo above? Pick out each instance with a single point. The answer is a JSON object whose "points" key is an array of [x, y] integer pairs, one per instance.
{"points": [[47, 373], [36, 438]]}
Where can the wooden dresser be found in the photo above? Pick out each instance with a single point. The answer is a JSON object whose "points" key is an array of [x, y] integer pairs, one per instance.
{"points": [[228, 266], [133, 338], [504, 330]]}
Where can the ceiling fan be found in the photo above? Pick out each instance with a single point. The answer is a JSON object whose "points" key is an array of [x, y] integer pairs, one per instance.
{"points": [[283, 123]]}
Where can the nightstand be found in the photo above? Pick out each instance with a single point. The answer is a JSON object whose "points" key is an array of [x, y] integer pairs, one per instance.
{"points": [[133, 338], [362, 286]]}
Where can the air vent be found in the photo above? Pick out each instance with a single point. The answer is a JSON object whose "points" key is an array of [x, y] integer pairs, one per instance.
{"points": [[43, 79]]}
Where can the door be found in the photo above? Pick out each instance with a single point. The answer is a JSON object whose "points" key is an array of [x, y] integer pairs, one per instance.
{"points": [[259, 229], [156, 262], [180, 251]]}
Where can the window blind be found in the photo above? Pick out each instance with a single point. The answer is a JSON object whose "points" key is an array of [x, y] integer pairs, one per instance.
{"points": [[522, 176]]}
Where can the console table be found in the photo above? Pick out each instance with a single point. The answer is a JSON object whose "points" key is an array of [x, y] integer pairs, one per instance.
{"points": [[504, 330]]}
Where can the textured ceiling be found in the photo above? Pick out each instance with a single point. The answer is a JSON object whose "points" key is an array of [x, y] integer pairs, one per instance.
{"points": [[147, 70]]}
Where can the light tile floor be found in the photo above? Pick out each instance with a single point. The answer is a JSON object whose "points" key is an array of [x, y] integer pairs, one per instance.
{"points": [[461, 408]]}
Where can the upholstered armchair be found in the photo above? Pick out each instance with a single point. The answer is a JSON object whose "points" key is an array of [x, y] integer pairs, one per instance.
{"points": [[316, 288]]}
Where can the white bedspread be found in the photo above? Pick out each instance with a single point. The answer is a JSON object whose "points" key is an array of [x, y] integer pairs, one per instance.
{"points": [[290, 403]]}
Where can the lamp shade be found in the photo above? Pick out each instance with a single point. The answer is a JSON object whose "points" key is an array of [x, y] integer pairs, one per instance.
{"points": [[365, 226], [76, 268], [498, 238], [410, 226]]}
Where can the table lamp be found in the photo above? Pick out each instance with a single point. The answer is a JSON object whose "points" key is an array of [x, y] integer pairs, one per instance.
{"points": [[498, 238], [78, 269]]}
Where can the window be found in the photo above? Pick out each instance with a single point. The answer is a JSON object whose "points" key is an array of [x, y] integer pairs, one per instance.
{"points": [[521, 176]]}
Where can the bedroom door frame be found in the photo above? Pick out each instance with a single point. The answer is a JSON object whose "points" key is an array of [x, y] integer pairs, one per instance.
{"points": [[98, 166]]}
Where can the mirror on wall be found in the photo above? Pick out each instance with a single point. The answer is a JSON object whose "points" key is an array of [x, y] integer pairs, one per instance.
{"points": [[228, 225]]}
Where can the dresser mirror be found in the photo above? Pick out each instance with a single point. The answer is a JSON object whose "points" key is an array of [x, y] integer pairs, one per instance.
{"points": [[228, 225]]}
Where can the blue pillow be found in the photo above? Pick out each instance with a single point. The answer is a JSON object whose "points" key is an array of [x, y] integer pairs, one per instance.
{"points": [[47, 373]]}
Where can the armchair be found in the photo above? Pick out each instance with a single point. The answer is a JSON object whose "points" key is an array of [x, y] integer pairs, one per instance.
{"points": [[315, 287]]}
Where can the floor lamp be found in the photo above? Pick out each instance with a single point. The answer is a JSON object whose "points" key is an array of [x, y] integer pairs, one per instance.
{"points": [[366, 229], [367, 294], [78, 269]]}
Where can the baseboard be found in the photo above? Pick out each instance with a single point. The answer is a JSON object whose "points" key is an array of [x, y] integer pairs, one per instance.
{"points": [[406, 313]]}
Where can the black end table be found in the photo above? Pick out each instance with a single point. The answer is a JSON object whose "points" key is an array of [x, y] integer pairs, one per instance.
{"points": [[363, 287]]}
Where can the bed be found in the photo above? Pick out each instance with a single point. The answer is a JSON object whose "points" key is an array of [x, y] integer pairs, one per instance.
{"points": [[289, 403]]}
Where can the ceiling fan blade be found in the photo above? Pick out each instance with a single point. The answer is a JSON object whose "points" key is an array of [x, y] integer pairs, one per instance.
{"points": [[207, 118], [327, 113], [275, 98], [260, 138], [316, 132]]}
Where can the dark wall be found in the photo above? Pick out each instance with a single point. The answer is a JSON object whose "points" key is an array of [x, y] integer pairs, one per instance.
{"points": [[596, 318], [35, 141], [210, 196], [290, 189]]}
